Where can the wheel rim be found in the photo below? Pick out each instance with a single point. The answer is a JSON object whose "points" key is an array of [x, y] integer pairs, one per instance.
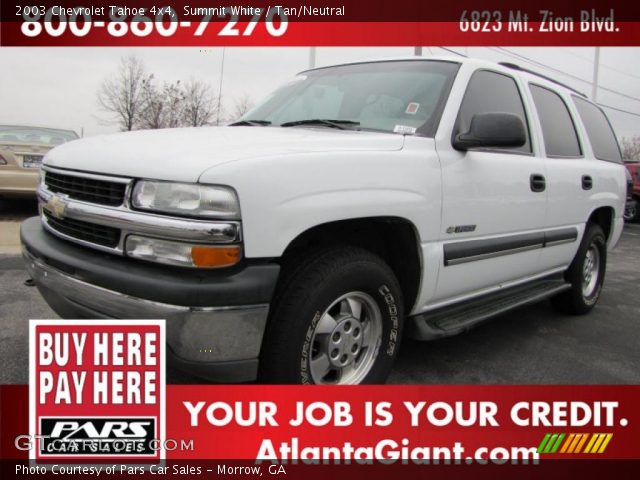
{"points": [[629, 212], [346, 340], [590, 271]]}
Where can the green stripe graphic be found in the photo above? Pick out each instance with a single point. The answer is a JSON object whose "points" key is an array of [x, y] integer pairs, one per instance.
{"points": [[550, 443], [558, 443], [543, 443]]}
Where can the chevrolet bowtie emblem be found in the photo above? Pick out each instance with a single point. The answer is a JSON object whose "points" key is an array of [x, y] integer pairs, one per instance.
{"points": [[56, 206]]}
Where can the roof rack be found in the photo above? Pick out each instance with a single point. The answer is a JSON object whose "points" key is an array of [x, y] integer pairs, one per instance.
{"points": [[514, 66]]}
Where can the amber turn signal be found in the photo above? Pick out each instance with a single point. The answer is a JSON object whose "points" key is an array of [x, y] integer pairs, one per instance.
{"points": [[214, 257]]}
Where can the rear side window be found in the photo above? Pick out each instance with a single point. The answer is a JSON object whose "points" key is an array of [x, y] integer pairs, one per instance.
{"points": [[491, 92], [603, 140], [558, 130]]}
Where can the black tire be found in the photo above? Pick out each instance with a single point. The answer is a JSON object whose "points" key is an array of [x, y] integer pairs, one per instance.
{"points": [[306, 292], [577, 301]]}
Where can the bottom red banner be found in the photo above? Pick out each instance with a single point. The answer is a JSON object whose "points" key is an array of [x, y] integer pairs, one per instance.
{"points": [[367, 427], [206, 469]]}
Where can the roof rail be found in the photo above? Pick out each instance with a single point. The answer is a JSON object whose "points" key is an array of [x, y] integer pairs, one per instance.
{"points": [[514, 66]]}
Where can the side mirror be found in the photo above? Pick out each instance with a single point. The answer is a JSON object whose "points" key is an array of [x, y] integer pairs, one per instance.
{"points": [[492, 130]]}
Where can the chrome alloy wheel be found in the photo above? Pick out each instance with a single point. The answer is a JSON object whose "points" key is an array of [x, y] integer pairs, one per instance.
{"points": [[630, 211], [590, 271], [346, 340]]}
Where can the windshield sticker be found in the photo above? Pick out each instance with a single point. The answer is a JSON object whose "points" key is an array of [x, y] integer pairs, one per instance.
{"points": [[412, 108], [404, 129]]}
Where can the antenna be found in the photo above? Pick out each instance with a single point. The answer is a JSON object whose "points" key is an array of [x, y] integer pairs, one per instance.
{"points": [[220, 89]]}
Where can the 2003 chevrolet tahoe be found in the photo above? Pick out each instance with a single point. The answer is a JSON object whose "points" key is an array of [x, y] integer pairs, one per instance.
{"points": [[355, 204]]}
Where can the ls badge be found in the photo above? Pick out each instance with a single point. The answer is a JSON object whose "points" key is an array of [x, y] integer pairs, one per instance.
{"points": [[461, 229], [56, 206]]}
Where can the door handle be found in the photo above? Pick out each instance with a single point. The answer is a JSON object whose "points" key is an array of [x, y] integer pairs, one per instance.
{"points": [[587, 182], [537, 182]]}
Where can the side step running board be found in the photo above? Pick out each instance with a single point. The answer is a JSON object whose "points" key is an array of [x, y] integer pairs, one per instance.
{"points": [[460, 317]]}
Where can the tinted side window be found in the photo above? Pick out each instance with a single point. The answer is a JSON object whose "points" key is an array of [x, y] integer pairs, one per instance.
{"points": [[601, 136], [558, 130], [491, 92]]}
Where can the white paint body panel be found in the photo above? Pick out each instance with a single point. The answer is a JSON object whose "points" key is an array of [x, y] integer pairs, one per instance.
{"points": [[182, 154], [294, 193]]}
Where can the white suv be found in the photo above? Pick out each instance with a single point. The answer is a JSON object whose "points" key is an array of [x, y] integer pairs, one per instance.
{"points": [[356, 203]]}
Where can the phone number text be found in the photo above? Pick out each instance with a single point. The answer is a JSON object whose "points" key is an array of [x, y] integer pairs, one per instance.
{"points": [[164, 21]]}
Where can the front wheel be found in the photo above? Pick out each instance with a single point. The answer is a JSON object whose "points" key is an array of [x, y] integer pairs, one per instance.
{"points": [[337, 320], [585, 274]]}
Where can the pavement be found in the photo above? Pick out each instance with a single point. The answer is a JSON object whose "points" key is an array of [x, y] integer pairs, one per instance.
{"points": [[530, 345], [12, 212]]}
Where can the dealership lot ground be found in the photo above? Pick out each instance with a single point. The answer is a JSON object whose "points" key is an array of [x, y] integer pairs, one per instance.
{"points": [[529, 345]]}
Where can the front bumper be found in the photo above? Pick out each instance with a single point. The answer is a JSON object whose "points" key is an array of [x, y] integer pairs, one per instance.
{"points": [[215, 320]]}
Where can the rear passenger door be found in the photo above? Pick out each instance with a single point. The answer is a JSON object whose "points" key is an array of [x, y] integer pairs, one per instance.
{"points": [[492, 217], [570, 176]]}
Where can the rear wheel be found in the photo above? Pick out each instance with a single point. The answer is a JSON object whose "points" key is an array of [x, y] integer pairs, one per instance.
{"points": [[585, 274], [631, 214], [337, 320]]}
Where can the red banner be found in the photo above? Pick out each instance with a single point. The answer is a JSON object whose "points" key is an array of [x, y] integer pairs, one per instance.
{"points": [[329, 34], [335, 23], [395, 424]]}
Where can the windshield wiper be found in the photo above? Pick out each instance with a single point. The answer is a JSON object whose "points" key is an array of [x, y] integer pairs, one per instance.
{"points": [[321, 121], [250, 123]]}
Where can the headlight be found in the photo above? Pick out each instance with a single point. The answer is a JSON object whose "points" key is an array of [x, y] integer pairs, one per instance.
{"points": [[190, 199]]}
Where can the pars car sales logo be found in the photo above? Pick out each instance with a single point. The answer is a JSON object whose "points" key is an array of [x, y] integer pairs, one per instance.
{"points": [[97, 389]]}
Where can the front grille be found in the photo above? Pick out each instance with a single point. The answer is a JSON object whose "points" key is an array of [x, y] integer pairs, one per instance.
{"points": [[87, 189], [89, 232]]}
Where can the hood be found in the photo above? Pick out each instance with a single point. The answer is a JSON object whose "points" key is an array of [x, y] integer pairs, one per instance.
{"points": [[183, 154]]}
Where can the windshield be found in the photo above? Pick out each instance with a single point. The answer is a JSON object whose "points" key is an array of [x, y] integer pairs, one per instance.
{"points": [[34, 135], [397, 96]]}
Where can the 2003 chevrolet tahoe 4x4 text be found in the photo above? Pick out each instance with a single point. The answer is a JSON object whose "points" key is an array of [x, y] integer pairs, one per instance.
{"points": [[356, 204]]}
